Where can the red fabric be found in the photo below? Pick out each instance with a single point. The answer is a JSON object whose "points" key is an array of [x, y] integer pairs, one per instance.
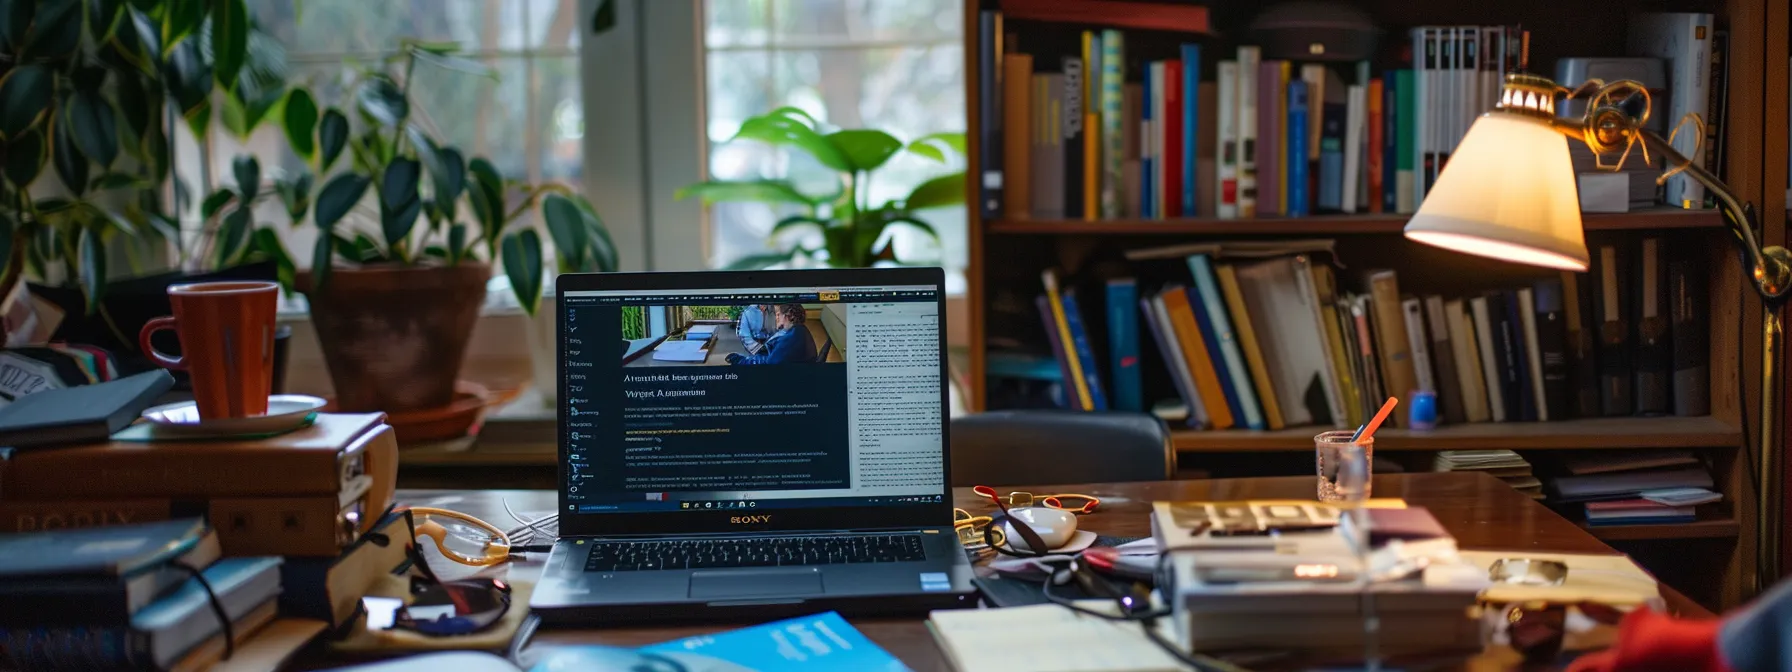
{"points": [[1649, 641]]}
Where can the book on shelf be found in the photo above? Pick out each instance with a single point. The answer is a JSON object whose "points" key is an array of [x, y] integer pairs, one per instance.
{"points": [[1217, 325], [1295, 166], [1060, 328], [1017, 135], [1533, 356], [1226, 135], [1412, 311], [989, 113], [1272, 110], [1554, 363], [1614, 317], [1163, 334], [1654, 352], [1393, 348], [1123, 344], [1691, 360], [1443, 354], [1682, 39], [1249, 58]]}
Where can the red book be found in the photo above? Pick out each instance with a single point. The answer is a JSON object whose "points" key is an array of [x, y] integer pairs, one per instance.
{"points": [[1375, 157], [1627, 505], [1170, 162]]}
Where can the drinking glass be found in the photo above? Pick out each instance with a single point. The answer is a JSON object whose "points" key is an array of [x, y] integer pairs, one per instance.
{"points": [[1344, 466]]}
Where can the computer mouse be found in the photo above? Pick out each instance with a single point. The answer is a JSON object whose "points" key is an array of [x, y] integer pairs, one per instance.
{"points": [[1054, 526]]}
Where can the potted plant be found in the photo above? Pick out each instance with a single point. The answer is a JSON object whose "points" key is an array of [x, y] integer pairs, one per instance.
{"points": [[584, 248], [89, 195], [397, 277], [854, 232]]}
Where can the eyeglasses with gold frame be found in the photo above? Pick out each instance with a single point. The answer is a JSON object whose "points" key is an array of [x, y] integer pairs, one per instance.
{"points": [[1017, 499]]}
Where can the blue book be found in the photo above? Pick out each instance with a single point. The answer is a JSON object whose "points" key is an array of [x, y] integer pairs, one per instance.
{"points": [[1191, 122], [1297, 149], [1331, 159], [1220, 369], [816, 642], [1236, 378], [158, 635], [1390, 143], [1123, 345], [1084, 354], [1059, 355], [1147, 162]]}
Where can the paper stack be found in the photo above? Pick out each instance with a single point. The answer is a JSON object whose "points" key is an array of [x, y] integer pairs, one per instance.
{"points": [[1635, 487], [681, 351], [1501, 464]]}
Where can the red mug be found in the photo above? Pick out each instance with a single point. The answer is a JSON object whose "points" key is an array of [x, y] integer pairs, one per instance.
{"points": [[226, 332]]}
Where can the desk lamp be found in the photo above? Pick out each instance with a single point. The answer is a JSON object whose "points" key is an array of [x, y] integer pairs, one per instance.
{"points": [[1509, 193]]}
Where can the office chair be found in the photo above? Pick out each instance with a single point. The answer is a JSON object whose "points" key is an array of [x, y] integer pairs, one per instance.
{"points": [[1060, 447], [826, 347]]}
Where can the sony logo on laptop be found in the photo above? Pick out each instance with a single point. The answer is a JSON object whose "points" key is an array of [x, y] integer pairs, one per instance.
{"points": [[748, 520]]}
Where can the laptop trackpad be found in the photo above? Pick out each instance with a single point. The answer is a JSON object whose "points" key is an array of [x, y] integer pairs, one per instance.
{"points": [[738, 583]]}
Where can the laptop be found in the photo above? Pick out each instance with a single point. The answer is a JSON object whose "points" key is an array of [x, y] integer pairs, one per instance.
{"points": [[701, 481]]}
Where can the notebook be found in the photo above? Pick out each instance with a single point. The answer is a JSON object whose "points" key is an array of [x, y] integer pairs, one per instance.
{"points": [[1048, 638]]}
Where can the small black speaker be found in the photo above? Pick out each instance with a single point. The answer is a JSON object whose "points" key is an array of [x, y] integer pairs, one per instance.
{"points": [[1305, 30]]}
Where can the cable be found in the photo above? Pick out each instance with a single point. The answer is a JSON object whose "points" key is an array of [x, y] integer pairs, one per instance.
{"points": [[525, 631], [1146, 619]]}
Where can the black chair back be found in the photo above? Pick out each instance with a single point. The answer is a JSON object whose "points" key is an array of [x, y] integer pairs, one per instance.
{"points": [[1002, 448]]}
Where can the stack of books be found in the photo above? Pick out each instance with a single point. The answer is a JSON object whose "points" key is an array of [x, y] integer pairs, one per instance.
{"points": [[303, 504], [1263, 335], [1634, 487], [1121, 125], [1501, 464], [126, 597]]}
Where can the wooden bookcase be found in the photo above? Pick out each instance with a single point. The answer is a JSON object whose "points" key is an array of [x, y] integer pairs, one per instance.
{"points": [[1711, 559]]}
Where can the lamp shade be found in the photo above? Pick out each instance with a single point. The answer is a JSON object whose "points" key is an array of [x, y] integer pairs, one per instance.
{"points": [[1508, 193]]}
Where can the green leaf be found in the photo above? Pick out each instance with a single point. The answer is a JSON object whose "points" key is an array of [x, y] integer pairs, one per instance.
{"points": [[92, 254], [15, 20], [933, 145], [365, 249], [522, 263], [230, 236], [199, 119], [938, 192], [382, 101], [25, 156], [102, 19], [120, 181], [412, 44], [149, 35], [300, 123], [567, 226], [56, 31], [447, 171], [798, 221], [791, 111], [332, 136], [70, 165], [765, 191], [486, 192], [338, 197], [457, 243], [95, 126], [399, 202], [322, 257], [604, 18], [180, 19], [216, 201], [777, 129], [6, 230], [188, 75], [134, 104], [244, 110], [295, 194], [248, 176], [164, 227], [266, 242], [865, 149], [436, 251], [25, 95], [754, 262], [230, 40]]}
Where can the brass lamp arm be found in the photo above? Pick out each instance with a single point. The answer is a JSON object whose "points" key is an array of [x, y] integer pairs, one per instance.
{"points": [[1772, 265]]}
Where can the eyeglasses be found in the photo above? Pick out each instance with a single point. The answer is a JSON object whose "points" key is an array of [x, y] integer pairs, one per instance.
{"points": [[462, 538], [1016, 500], [971, 530]]}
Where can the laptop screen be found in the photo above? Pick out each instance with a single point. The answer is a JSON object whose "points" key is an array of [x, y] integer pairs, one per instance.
{"points": [[755, 398]]}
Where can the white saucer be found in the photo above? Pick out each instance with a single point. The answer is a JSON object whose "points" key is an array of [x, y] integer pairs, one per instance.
{"points": [[286, 412]]}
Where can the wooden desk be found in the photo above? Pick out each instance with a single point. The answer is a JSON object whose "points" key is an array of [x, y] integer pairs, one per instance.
{"points": [[1479, 510], [725, 342]]}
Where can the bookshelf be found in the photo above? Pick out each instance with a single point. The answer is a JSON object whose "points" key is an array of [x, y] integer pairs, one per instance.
{"points": [[1008, 254]]}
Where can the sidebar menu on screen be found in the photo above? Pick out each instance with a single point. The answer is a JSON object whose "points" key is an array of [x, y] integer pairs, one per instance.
{"points": [[588, 332]]}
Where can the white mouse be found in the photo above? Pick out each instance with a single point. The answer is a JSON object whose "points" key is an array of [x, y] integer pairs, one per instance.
{"points": [[1054, 526]]}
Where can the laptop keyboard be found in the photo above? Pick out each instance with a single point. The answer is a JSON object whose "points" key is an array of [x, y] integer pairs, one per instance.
{"points": [[628, 556]]}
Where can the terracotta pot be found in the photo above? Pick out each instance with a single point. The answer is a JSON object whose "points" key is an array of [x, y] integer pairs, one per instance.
{"points": [[394, 336]]}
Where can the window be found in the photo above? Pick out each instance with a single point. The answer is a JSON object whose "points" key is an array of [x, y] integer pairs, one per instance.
{"points": [[527, 118], [892, 65]]}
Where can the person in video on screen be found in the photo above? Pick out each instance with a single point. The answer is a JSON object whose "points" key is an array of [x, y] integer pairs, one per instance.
{"points": [[754, 332], [791, 343]]}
